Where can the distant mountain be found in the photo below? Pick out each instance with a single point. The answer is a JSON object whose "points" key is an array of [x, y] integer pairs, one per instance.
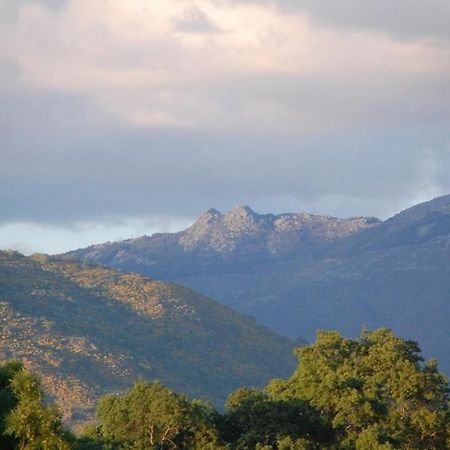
{"points": [[89, 330], [240, 239], [297, 273], [415, 226]]}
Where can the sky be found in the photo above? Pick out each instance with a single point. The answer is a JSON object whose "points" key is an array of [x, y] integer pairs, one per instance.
{"points": [[126, 117]]}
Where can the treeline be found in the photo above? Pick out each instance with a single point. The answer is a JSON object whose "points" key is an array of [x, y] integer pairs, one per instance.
{"points": [[374, 393]]}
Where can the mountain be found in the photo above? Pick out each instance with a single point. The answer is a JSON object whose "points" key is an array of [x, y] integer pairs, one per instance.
{"points": [[297, 273], [238, 240], [89, 330]]}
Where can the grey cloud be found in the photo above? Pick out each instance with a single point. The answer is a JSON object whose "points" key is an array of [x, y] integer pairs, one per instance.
{"points": [[329, 103], [9, 9], [9, 72], [403, 18], [194, 20], [52, 4], [58, 168]]}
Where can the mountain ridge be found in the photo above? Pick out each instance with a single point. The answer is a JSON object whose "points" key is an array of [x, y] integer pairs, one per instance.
{"points": [[238, 233], [319, 272]]}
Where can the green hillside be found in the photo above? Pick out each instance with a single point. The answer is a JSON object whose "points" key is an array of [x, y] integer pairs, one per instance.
{"points": [[89, 330]]}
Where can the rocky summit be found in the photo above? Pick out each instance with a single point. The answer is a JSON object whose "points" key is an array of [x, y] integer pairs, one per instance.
{"points": [[216, 242]]}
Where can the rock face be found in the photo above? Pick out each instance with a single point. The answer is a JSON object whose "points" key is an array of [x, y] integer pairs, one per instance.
{"points": [[89, 330], [217, 242], [242, 230], [297, 273]]}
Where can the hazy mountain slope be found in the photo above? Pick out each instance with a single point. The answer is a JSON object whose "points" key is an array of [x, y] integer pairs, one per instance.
{"points": [[397, 288], [414, 226], [323, 273], [90, 330]]}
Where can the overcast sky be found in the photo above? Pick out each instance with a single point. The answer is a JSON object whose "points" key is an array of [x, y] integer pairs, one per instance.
{"points": [[125, 117]]}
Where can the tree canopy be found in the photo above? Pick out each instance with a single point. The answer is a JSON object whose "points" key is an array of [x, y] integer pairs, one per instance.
{"points": [[371, 393], [376, 391], [150, 416], [26, 422]]}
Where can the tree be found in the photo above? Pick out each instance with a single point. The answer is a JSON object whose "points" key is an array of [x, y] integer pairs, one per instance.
{"points": [[150, 416], [8, 401], [93, 439], [34, 425], [26, 423], [376, 391], [256, 420]]}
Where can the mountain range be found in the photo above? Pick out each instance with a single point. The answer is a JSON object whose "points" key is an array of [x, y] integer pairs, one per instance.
{"points": [[297, 273], [89, 330]]}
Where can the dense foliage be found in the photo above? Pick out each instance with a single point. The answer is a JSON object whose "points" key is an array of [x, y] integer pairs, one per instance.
{"points": [[374, 393], [151, 416], [26, 423], [256, 419]]}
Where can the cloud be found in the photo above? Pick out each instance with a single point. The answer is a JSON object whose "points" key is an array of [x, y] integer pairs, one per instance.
{"points": [[401, 18], [194, 20], [265, 68], [65, 169], [127, 110]]}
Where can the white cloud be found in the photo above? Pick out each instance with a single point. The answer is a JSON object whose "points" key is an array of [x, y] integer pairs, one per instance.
{"points": [[139, 70]]}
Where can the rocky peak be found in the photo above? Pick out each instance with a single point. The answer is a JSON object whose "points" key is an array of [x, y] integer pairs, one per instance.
{"points": [[241, 226], [209, 216], [201, 228], [242, 211], [241, 214], [223, 232]]}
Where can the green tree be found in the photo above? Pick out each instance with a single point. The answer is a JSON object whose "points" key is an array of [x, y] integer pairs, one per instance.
{"points": [[92, 438], [256, 420], [376, 391], [34, 425], [150, 416], [8, 401]]}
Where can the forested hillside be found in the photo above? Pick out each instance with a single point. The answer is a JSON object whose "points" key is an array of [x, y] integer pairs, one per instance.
{"points": [[89, 330]]}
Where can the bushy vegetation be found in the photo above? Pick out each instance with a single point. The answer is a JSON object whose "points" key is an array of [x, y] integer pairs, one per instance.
{"points": [[374, 393], [26, 423]]}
